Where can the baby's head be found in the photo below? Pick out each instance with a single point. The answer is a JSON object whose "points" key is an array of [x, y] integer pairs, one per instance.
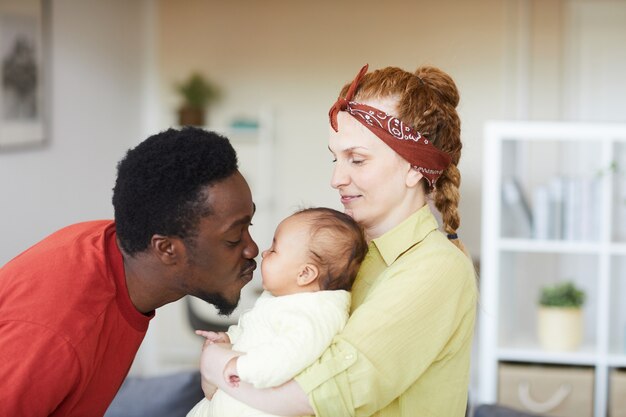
{"points": [[313, 249]]}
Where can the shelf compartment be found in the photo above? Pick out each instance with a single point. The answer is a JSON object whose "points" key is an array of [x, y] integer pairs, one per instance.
{"points": [[559, 391], [521, 277], [560, 200]]}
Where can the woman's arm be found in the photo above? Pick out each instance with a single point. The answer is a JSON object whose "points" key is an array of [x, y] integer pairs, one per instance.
{"points": [[287, 399]]}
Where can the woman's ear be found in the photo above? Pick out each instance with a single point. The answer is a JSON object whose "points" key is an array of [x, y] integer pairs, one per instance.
{"points": [[168, 250], [413, 177], [308, 274]]}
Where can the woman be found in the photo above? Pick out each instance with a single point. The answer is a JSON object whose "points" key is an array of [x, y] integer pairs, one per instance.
{"points": [[406, 348]]}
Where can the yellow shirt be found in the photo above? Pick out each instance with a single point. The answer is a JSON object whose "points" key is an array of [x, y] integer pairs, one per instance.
{"points": [[405, 351]]}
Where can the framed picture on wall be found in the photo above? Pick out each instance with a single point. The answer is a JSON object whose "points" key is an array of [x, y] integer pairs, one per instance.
{"points": [[23, 94]]}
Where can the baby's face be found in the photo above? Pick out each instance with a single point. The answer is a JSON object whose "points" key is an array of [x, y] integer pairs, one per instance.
{"points": [[283, 261]]}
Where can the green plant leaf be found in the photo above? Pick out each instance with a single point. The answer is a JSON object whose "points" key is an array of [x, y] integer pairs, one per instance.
{"points": [[564, 294], [197, 91]]}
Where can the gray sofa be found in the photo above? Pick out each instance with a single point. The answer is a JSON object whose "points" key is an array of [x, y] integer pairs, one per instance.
{"points": [[158, 396], [174, 395], [493, 410]]}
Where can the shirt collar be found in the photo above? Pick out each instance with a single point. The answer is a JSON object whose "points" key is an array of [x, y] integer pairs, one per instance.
{"points": [[405, 235]]}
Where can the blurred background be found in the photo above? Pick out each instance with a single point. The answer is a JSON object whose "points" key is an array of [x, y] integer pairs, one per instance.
{"points": [[110, 71]]}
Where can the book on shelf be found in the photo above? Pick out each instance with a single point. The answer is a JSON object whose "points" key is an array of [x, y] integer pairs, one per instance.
{"points": [[541, 212], [516, 218], [556, 208], [566, 208]]}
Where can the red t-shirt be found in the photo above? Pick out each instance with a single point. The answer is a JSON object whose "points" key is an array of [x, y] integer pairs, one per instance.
{"points": [[68, 329]]}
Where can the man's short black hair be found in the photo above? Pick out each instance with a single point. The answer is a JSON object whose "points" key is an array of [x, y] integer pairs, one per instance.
{"points": [[161, 185]]}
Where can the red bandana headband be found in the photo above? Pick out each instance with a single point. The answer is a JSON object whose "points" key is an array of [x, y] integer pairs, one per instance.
{"points": [[403, 139]]}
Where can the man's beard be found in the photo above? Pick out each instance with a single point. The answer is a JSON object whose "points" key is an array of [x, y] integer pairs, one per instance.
{"points": [[224, 306]]}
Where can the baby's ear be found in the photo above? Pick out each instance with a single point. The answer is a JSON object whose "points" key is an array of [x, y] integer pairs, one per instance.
{"points": [[308, 274]]}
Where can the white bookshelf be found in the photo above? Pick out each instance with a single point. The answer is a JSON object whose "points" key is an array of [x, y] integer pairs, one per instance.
{"points": [[587, 162]]}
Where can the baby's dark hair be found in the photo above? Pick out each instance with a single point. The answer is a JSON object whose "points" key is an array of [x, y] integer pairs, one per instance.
{"points": [[163, 184], [337, 245]]}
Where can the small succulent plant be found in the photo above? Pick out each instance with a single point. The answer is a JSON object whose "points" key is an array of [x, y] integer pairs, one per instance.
{"points": [[564, 294]]}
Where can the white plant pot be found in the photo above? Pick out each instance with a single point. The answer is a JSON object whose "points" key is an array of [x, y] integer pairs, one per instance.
{"points": [[560, 328]]}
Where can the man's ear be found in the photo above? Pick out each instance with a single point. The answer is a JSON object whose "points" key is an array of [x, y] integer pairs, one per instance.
{"points": [[169, 250], [308, 273], [413, 177]]}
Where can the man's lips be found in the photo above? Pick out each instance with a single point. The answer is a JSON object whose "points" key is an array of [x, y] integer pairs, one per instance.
{"points": [[248, 271]]}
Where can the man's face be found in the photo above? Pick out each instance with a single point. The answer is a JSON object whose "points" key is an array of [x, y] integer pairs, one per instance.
{"points": [[221, 256]]}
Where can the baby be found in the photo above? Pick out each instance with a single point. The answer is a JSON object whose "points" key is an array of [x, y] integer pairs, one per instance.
{"points": [[307, 273]]}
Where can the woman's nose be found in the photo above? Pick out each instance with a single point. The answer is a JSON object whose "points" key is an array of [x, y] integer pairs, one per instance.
{"points": [[339, 177]]}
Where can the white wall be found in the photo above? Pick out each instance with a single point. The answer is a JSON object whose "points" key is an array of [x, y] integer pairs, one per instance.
{"points": [[96, 80], [294, 57], [297, 55], [596, 36]]}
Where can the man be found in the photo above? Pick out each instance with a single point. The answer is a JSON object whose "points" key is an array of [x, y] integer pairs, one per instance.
{"points": [[75, 307]]}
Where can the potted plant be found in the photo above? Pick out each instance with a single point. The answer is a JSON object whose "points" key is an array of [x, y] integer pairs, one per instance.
{"points": [[197, 93], [560, 321]]}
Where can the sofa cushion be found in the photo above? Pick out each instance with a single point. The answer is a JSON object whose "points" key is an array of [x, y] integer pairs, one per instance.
{"points": [[494, 410]]}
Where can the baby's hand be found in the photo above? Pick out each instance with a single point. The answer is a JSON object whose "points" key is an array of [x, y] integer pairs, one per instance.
{"points": [[230, 373], [214, 337]]}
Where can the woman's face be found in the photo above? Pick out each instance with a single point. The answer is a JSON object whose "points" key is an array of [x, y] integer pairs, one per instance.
{"points": [[375, 184]]}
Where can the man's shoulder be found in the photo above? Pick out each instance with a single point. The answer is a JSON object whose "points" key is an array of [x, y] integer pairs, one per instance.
{"points": [[86, 235], [86, 227], [63, 281], [69, 263]]}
